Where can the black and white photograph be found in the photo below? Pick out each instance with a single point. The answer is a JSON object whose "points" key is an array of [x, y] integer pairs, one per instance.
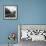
{"points": [[10, 12], [32, 34]]}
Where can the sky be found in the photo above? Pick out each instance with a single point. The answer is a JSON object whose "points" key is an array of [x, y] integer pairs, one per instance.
{"points": [[11, 8]]}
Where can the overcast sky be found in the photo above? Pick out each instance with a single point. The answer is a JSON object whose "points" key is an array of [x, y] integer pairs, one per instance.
{"points": [[11, 8]]}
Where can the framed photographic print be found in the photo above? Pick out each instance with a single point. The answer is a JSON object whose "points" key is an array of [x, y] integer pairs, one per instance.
{"points": [[32, 32], [10, 12]]}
